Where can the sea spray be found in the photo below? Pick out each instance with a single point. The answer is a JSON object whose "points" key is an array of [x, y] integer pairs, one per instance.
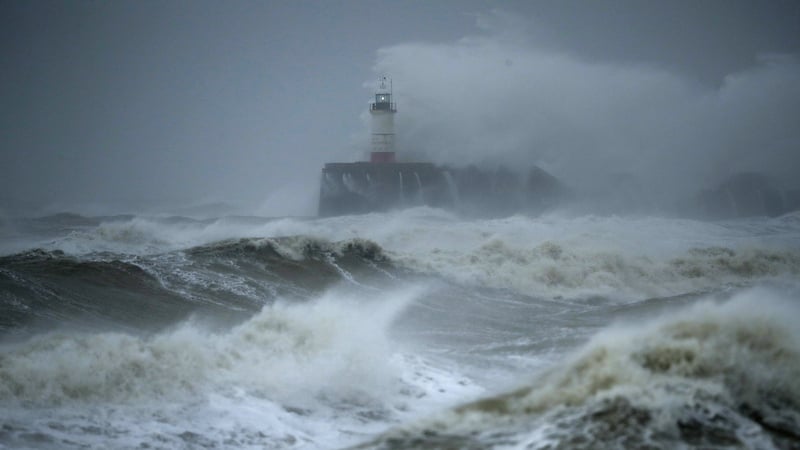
{"points": [[318, 372], [285, 347]]}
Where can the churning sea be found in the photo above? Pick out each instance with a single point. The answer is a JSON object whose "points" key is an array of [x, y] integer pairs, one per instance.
{"points": [[409, 329]]}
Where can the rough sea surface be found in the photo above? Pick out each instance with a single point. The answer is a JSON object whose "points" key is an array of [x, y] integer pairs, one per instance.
{"points": [[410, 329]]}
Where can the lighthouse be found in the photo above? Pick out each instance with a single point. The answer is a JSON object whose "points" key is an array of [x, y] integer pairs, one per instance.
{"points": [[382, 111], [384, 184], [381, 183]]}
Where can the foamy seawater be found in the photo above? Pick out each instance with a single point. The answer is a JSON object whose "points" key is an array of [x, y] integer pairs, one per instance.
{"points": [[412, 329]]}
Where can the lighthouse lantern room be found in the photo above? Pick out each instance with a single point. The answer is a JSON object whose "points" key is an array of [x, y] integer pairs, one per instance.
{"points": [[382, 112]]}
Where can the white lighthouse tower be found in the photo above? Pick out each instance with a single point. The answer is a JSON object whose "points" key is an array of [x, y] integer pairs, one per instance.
{"points": [[382, 112]]}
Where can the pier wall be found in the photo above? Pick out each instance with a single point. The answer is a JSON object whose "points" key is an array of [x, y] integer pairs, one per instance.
{"points": [[363, 187]]}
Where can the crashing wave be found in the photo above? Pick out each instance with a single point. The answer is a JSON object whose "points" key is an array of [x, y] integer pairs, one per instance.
{"points": [[310, 375], [276, 349], [230, 277], [296, 248], [715, 375], [557, 270]]}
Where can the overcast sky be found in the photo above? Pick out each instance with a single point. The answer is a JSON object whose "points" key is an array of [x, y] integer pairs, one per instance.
{"points": [[121, 106]]}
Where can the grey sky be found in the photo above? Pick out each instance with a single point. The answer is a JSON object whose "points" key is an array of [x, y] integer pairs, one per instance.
{"points": [[115, 106]]}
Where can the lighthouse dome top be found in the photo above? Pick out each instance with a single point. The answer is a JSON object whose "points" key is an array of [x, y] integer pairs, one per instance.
{"points": [[383, 96], [384, 85]]}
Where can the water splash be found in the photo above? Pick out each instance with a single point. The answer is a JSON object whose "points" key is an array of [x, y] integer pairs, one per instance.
{"points": [[452, 188], [420, 191], [402, 189]]}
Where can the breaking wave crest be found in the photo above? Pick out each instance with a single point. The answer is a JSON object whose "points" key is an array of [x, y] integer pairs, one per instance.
{"points": [[296, 248], [313, 374], [560, 270], [552, 256], [306, 375], [285, 350], [715, 375], [151, 291]]}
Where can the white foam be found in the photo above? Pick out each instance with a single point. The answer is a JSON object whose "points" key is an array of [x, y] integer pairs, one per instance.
{"points": [[705, 362], [317, 375], [554, 256], [551, 256]]}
